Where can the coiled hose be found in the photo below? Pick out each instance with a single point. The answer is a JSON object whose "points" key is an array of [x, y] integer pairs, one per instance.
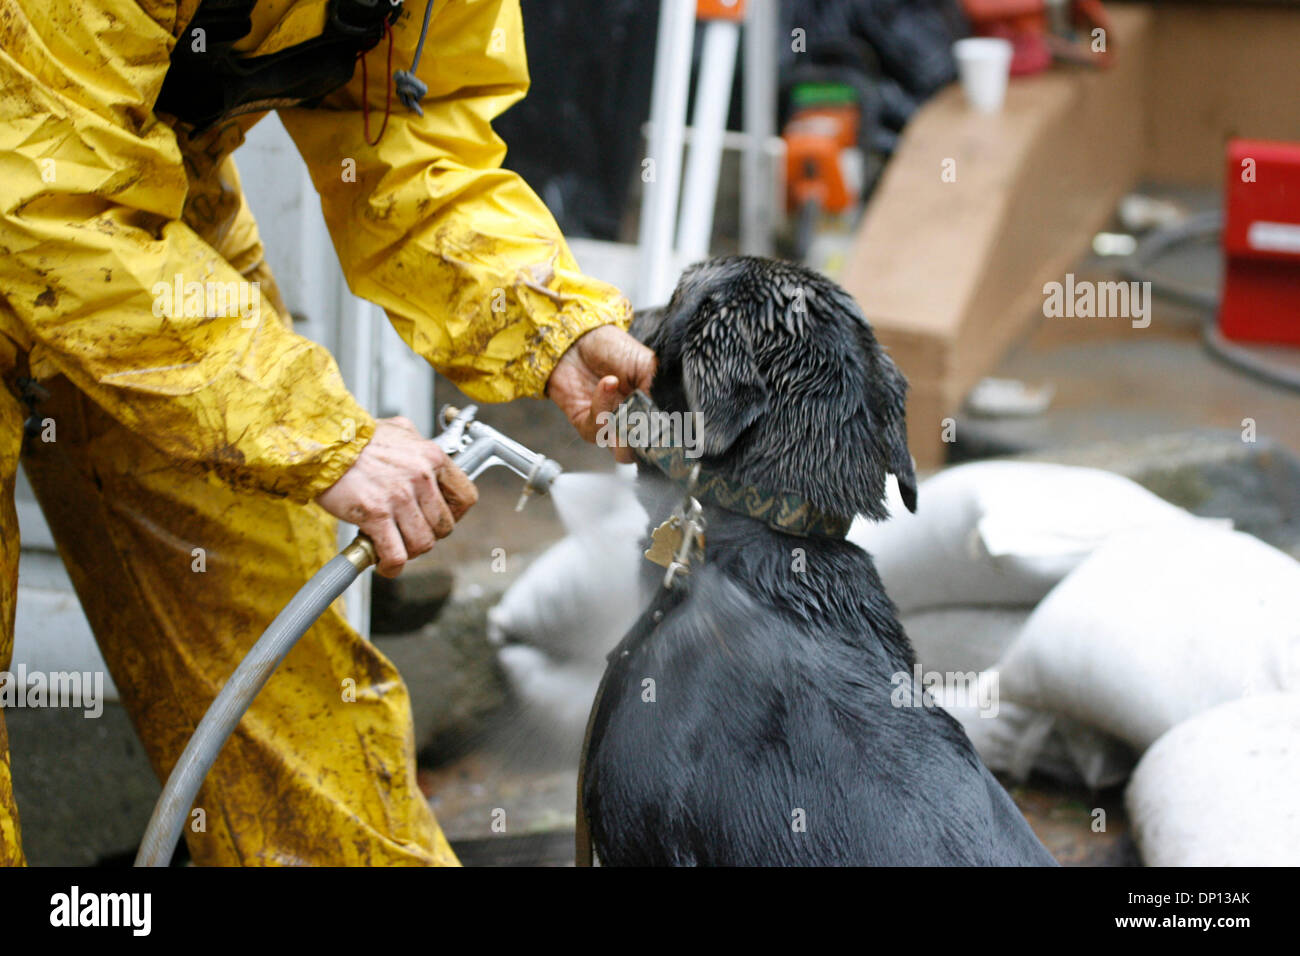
{"points": [[223, 716], [1198, 228]]}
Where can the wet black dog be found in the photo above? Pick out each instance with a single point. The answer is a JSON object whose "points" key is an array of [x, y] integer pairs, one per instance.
{"points": [[753, 718]]}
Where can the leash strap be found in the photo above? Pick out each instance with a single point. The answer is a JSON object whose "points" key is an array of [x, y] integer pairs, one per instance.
{"points": [[665, 601]]}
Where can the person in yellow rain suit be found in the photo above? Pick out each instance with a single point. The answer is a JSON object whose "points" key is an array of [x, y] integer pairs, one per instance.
{"points": [[191, 458]]}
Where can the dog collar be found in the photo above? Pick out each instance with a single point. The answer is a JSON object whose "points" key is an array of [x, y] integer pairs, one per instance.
{"points": [[781, 511]]}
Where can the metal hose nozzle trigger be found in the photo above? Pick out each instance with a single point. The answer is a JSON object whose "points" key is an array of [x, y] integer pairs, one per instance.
{"points": [[475, 447]]}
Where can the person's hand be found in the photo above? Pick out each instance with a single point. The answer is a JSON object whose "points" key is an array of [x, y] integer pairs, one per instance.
{"points": [[596, 374], [403, 491]]}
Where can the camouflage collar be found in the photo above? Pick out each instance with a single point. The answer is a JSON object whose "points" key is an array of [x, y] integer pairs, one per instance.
{"points": [[782, 511]]}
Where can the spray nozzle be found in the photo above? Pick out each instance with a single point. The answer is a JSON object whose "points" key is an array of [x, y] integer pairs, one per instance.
{"points": [[475, 447]]}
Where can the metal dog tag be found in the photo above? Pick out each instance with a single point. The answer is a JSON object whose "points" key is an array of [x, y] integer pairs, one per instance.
{"points": [[678, 542], [680, 539], [665, 542]]}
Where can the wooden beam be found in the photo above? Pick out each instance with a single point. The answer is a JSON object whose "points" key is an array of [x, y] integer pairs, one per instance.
{"points": [[951, 272]]}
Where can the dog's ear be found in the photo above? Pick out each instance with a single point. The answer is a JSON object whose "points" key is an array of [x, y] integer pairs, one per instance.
{"points": [[888, 400], [722, 382]]}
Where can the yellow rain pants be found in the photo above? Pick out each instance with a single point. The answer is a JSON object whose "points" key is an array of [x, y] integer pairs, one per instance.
{"points": [[190, 442]]}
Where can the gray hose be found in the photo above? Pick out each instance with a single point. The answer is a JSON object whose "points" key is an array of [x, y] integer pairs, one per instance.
{"points": [[237, 695], [1201, 226]]}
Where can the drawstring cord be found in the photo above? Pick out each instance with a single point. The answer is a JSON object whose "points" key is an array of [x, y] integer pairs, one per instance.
{"points": [[388, 92], [410, 89]]}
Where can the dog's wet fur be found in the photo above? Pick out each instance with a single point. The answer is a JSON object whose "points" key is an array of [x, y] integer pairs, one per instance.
{"points": [[771, 738]]}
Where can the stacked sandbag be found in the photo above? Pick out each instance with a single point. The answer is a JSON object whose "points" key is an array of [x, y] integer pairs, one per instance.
{"points": [[1153, 629], [988, 541], [1017, 740], [1222, 788], [963, 638], [1003, 533]]}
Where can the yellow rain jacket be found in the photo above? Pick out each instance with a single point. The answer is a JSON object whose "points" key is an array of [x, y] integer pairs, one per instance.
{"points": [[104, 208]]}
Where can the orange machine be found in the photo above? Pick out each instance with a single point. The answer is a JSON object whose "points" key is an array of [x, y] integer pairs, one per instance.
{"points": [[816, 170], [825, 166]]}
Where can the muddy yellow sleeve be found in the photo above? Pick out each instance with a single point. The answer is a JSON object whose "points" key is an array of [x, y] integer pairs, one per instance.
{"points": [[468, 263], [101, 280]]}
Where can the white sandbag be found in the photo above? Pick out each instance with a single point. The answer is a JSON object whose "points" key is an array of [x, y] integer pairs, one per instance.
{"points": [[963, 638], [578, 597], [1002, 532], [1099, 759], [1155, 628], [1014, 740], [1011, 739], [1017, 740], [574, 602], [1223, 788]]}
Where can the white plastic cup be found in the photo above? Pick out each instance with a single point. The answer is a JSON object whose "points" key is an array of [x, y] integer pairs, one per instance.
{"points": [[984, 63]]}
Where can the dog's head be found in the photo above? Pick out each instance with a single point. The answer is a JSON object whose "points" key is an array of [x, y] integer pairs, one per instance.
{"points": [[793, 391]]}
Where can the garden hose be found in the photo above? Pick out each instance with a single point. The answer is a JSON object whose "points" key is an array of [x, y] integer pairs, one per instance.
{"points": [[223, 716]]}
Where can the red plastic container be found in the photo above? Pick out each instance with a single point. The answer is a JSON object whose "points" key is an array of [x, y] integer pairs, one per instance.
{"points": [[1261, 243]]}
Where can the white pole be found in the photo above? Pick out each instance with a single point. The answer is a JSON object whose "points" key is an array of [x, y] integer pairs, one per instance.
{"points": [[758, 197], [712, 97], [664, 167]]}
